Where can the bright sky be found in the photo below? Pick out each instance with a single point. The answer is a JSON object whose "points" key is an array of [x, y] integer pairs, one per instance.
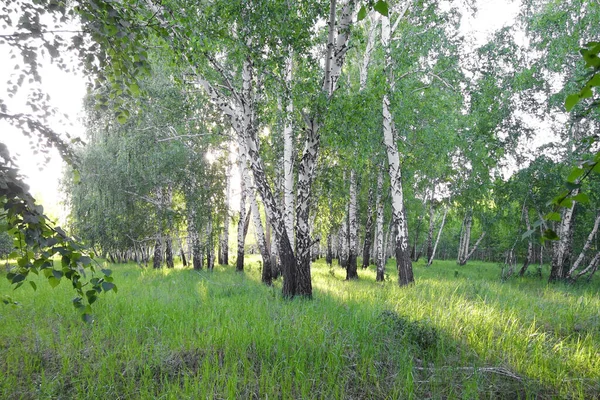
{"points": [[67, 91]]}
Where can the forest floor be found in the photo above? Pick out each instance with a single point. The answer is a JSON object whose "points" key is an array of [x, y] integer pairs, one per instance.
{"points": [[460, 332]]}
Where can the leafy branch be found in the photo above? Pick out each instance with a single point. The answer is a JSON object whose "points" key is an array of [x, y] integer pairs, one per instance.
{"points": [[37, 242]]}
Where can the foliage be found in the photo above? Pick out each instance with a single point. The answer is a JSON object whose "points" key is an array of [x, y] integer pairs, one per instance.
{"points": [[37, 242]]}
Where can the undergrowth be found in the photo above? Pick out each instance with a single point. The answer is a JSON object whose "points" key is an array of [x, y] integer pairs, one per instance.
{"points": [[458, 333]]}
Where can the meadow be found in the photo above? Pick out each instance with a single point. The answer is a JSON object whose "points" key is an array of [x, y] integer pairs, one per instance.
{"points": [[458, 333]]}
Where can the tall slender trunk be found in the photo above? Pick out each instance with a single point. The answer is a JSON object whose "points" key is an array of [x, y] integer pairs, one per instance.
{"points": [[465, 238], [241, 237], [261, 241], [343, 235], [429, 241], [167, 199], [182, 253], [351, 272], [437, 240], [210, 245], [329, 254], [468, 255], [368, 232], [562, 247], [258, 226], [224, 240], [380, 257], [157, 261], [288, 158], [584, 250], [405, 272], [169, 252], [529, 256]]}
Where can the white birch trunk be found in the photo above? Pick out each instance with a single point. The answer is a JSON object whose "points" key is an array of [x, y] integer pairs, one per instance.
{"points": [[379, 256], [437, 240], [585, 248], [405, 273], [241, 239], [225, 236], [288, 159], [562, 246], [351, 268]]}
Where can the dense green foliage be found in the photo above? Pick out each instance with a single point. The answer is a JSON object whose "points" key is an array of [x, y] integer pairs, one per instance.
{"points": [[36, 242]]}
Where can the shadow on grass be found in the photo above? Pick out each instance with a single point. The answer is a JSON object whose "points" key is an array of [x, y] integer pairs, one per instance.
{"points": [[181, 333]]}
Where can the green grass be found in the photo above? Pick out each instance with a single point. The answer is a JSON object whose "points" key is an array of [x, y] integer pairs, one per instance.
{"points": [[458, 333]]}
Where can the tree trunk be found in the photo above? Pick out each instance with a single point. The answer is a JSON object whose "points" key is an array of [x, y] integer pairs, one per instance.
{"points": [[429, 241], [437, 240], [224, 239], [157, 261], [562, 247], [306, 172], [463, 247], [241, 236], [261, 241], [529, 256], [466, 258], [404, 264], [351, 272], [379, 255], [169, 252], [415, 254], [197, 259], [329, 255], [288, 159], [585, 248], [182, 254], [210, 245], [266, 276], [368, 232]]}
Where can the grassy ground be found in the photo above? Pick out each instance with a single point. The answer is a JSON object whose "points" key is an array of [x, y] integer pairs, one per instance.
{"points": [[173, 334]]}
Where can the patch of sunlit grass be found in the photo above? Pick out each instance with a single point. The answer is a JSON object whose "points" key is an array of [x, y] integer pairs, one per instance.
{"points": [[458, 333]]}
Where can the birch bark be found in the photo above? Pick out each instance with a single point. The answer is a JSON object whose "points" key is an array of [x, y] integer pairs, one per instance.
{"points": [[404, 264], [351, 272], [585, 248], [380, 257], [437, 240], [562, 246]]}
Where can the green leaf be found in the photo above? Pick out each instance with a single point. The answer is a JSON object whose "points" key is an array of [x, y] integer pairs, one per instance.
{"points": [[87, 318], [362, 13], [33, 285], [57, 274], [571, 101], [135, 89], [91, 296], [575, 174], [550, 235], [107, 272], [582, 198], [85, 260], [17, 278], [567, 203], [382, 8], [595, 81], [572, 186], [586, 93], [553, 216], [122, 118], [53, 281], [528, 234], [76, 177], [106, 286]]}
